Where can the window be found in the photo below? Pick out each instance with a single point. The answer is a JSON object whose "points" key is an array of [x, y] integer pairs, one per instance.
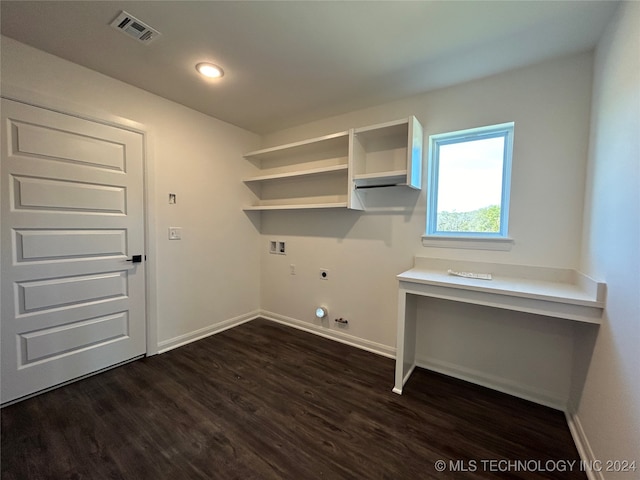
{"points": [[469, 180]]}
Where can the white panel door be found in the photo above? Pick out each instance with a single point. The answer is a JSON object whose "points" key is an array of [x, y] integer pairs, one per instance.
{"points": [[72, 216]]}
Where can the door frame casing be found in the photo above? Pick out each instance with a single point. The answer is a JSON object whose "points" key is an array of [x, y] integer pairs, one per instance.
{"points": [[68, 107]]}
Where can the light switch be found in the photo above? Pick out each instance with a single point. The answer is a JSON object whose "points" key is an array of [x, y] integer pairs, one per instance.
{"points": [[175, 233]]}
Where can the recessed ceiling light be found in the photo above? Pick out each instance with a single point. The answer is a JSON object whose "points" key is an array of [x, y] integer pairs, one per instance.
{"points": [[209, 70]]}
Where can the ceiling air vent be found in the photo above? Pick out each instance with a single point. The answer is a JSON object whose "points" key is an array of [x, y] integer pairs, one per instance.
{"points": [[133, 27]]}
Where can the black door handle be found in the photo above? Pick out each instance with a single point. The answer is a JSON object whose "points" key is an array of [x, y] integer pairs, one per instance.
{"points": [[135, 259]]}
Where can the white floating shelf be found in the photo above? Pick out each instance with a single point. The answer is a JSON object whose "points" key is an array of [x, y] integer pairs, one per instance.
{"points": [[298, 173], [300, 206], [319, 144]]}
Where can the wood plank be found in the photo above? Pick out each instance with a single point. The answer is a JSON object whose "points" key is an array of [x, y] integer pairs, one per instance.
{"points": [[267, 401]]}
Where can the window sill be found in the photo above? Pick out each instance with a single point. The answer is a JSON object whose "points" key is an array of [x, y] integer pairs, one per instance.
{"points": [[472, 243]]}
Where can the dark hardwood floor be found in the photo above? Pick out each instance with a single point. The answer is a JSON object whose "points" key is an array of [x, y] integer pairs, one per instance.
{"points": [[264, 401]]}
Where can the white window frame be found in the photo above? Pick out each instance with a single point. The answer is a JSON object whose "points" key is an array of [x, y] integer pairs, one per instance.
{"points": [[483, 240]]}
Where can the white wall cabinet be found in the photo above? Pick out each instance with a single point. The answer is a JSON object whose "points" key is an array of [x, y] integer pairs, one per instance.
{"points": [[388, 154], [328, 171]]}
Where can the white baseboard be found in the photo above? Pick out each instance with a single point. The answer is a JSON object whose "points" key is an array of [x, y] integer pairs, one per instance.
{"points": [[341, 337], [181, 340], [493, 382], [336, 335], [584, 448]]}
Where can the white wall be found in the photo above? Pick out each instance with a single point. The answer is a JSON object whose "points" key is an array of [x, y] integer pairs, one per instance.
{"points": [[609, 412], [550, 105], [212, 275]]}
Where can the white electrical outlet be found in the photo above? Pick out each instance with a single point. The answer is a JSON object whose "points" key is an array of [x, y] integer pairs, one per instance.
{"points": [[175, 233], [292, 269]]}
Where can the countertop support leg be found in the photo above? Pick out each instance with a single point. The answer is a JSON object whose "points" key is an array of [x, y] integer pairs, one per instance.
{"points": [[406, 339]]}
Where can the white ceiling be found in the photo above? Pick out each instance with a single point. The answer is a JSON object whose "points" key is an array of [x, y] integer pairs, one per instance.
{"points": [[288, 63]]}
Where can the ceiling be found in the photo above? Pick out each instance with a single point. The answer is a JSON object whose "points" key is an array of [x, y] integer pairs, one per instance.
{"points": [[291, 62]]}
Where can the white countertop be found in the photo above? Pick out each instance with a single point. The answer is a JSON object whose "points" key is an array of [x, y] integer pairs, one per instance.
{"points": [[515, 287], [518, 287]]}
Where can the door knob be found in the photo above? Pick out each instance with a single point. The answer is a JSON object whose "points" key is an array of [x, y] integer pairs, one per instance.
{"points": [[135, 259]]}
